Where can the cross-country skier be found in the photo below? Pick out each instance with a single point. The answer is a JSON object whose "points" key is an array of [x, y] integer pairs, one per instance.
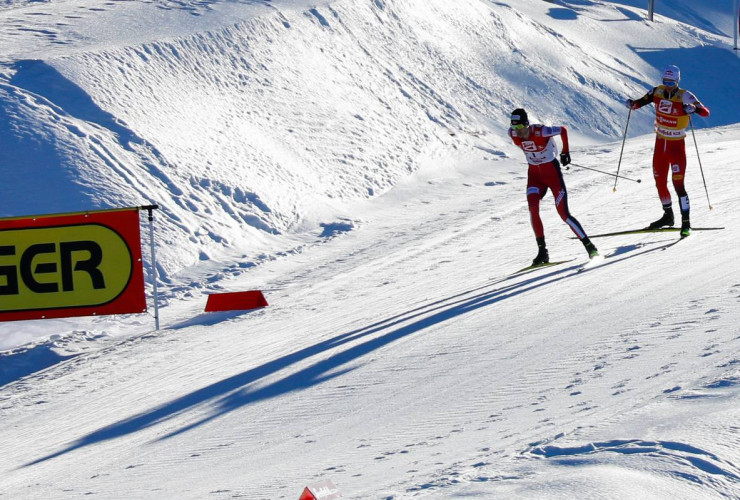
{"points": [[673, 105], [544, 172]]}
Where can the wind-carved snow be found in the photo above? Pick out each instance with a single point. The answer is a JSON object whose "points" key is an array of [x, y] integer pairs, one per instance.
{"points": [[267, 127], [350, 159]]}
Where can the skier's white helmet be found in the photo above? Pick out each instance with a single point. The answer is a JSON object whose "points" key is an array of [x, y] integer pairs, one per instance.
{"points": [[672, 73]]}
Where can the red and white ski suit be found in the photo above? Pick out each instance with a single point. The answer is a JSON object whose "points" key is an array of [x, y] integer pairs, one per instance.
{"points": [[671, 122], [544, 172]]}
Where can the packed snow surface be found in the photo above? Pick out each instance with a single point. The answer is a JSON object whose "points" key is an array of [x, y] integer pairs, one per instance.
{"points": [[349, 158]]}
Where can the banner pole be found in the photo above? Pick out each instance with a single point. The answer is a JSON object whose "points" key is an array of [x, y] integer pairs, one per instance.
{"points": [[737, 22], [150, 208]]}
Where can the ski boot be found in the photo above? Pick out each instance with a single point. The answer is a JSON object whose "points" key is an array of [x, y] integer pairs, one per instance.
{"points": [[666, 220], [590, 248], [685, 227], [542, 256]]}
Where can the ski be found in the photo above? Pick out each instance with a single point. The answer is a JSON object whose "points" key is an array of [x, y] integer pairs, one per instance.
{"points": [[669, 245], [648, 230], [539, 266], [592, 263]]}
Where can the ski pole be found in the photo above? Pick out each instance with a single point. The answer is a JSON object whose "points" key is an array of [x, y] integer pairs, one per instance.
{"points": [[624, 139], [605, 173], [691, 122]]}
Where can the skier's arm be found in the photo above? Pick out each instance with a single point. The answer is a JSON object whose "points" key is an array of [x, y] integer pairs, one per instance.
{"points": [[642, 101], [565, 154], [693, 105], [553, 131], [702, 110], [564, 138]]}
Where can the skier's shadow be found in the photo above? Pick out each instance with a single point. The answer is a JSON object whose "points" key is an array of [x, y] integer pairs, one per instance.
{"points": [[235, 392]]}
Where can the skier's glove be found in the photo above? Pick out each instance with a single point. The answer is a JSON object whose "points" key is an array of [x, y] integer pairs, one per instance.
{"points": [[689, 109], [630, 103], [565, 159]]}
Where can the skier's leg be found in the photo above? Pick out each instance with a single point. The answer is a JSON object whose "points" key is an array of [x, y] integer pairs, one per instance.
{"points": [[535, 192], [560, 193], [661, 160], [678, 169], [533, 201]]}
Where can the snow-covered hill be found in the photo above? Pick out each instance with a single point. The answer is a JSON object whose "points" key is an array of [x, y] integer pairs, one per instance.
{"points": [[350, 159], [250, 133]]}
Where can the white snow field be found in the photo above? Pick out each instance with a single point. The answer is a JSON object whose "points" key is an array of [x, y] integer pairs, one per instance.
{"points": [[349, 158]]}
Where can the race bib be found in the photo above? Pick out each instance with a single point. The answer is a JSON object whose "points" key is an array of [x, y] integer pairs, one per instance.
{"points": [[665, 106]]}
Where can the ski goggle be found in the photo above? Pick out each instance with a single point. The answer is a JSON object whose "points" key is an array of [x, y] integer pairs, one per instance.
{"points": [[670, 83], [518, 126]]}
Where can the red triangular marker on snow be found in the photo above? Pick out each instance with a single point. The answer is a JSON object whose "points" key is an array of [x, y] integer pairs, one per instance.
{"points": [[307, 495], [235, 301], [325, 490]]}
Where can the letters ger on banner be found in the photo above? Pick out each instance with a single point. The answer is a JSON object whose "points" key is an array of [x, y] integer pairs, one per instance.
{"points": [[85, 264]]}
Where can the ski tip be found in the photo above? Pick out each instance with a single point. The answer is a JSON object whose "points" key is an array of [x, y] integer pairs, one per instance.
{"points": [[592, 262], [594, 259]]}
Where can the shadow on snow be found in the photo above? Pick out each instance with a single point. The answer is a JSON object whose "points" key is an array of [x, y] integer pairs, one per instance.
{"points": [[43, 154], [21, 362], [234, 392]]}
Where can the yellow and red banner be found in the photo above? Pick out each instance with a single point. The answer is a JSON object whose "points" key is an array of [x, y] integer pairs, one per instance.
{"points": [[79, 264]]}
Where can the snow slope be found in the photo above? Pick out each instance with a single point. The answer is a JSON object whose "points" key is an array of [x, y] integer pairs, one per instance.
{"points": [[250, 131], [350, 159]]}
